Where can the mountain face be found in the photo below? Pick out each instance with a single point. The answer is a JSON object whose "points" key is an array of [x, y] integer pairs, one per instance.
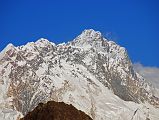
{"points": [[90, 72], [56, 111], [150, 74]]}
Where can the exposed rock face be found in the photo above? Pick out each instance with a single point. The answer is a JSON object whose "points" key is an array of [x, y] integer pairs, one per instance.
{"points": [[78, 72], [56, 111]]}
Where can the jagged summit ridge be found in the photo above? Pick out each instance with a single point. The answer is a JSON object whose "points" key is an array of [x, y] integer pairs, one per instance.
{"points": [[79, 72], [90, 33], [10, 46], [88, 38]]}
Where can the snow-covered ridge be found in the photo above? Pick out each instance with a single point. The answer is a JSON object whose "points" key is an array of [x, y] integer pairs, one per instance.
{"points": [[90, 72]]}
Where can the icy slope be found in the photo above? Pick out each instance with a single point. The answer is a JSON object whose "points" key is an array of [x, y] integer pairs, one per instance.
{"points": [[151, 75], [90, 72]]}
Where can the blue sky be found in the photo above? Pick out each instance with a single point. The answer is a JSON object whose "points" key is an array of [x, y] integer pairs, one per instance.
{"points": [[133, 24]]}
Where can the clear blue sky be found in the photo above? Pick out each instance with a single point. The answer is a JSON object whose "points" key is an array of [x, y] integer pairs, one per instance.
{"points": [[133, 24]]}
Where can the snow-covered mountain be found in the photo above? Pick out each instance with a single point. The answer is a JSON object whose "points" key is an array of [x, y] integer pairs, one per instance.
{"points": [[90, 72], [150, 74]]}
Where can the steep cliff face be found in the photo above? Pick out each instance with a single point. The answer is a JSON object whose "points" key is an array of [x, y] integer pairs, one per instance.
{"points": [[56, 111], [111, 65], [85, 72]]}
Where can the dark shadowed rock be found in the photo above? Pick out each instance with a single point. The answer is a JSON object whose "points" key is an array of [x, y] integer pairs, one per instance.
{"points": [[56, 111]]}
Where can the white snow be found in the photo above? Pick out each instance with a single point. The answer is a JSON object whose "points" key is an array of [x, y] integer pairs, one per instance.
{"points": [[72, 83]]}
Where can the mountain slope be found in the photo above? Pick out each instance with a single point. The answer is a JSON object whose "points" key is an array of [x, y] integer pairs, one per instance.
{"points": [[151, 75], [91, 73]]}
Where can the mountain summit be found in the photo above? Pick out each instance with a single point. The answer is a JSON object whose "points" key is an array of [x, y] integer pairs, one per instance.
{"points": [[90, 72]]}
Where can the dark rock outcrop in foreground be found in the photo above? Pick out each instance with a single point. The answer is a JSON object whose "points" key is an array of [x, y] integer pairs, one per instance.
{"points": [[56, 111]]}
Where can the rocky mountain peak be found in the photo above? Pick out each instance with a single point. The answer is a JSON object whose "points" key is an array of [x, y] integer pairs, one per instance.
{"points": [[79, 72], [90, 33], [7, 50], [9, 46], [43, 42], [88, 38]]}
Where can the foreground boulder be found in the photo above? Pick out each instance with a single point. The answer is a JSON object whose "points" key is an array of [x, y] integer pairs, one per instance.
{"points": [[56, 111]]}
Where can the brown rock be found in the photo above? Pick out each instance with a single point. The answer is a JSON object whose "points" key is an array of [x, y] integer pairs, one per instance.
{"points": [[56, 111]]}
